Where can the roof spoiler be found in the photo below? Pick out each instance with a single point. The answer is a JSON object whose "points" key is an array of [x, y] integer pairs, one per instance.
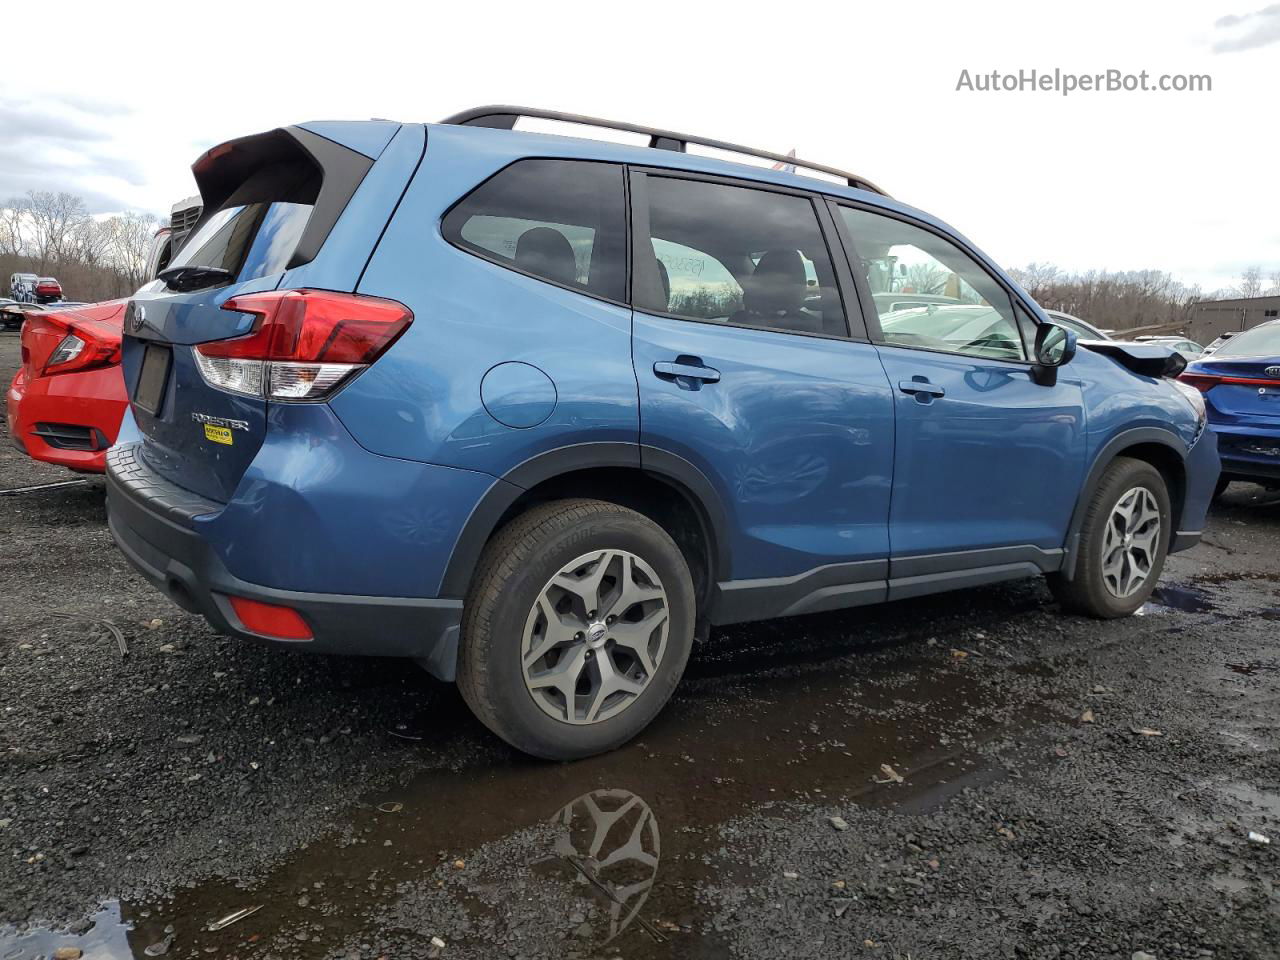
{"points": [[222, 172]]}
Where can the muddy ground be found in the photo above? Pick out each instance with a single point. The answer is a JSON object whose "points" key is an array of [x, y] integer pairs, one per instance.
{"points": [[1068, 788]]}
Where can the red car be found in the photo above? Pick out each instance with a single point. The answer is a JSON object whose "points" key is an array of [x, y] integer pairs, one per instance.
{"points": [[67, 399], [48, 290]]}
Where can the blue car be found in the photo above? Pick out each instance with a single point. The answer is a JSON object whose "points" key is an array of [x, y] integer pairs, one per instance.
{"points": [[537, 412], [1240, 381]]}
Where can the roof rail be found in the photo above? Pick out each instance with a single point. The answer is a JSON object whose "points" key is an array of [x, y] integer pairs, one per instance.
{"points": [[502, 117]]}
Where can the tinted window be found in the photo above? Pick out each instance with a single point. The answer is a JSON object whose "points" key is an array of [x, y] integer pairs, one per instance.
{"points": [[558, 220], [736, 255], [254, 240], [969, 311], [1261, 341]]}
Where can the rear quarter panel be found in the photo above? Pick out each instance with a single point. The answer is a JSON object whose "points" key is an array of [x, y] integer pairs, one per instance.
{"points": [[422, 399]]}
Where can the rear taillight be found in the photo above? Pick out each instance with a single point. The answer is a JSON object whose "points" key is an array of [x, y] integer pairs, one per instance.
{"points": [[304, 345], [81, 351], [1204, 382]]}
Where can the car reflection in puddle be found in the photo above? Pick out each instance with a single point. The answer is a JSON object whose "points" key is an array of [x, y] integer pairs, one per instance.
{"points": [[609, 841]]}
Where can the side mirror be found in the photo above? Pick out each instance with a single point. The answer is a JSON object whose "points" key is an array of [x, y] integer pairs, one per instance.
{"points": [[1054, 346]]}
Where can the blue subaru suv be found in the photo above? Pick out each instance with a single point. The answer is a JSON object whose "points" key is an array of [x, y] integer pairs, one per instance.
{"points": [[538, 411]]}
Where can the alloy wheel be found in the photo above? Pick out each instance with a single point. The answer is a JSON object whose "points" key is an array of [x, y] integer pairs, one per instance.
{"points": [[595, 637], [1131, 542]]}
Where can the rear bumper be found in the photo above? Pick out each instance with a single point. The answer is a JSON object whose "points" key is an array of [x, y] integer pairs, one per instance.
{"points": [[45, 415], [1249, 452], [152, 521]]}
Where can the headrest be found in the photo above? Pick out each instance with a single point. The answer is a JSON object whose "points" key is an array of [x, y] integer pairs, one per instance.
{"points": [[778, 284], [545, 252], [664, 278]]}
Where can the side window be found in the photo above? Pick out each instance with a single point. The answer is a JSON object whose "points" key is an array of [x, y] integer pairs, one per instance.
{"points": [[558, 220], [967, 310], [736, 255]]}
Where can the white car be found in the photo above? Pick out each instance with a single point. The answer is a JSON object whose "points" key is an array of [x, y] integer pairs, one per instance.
{"points": [[1083, 330], [1188, 348]]}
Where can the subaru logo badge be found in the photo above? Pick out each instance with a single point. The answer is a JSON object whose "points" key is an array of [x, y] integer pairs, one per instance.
{"points": [[1272, 371], [137, 318]]}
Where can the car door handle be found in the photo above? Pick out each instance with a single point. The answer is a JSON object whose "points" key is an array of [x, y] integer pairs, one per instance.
{"points": [[685, 368], [921, 387]]}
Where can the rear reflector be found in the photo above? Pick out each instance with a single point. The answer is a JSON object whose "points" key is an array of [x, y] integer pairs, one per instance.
{"points": [[269, 620], [304, 345]]}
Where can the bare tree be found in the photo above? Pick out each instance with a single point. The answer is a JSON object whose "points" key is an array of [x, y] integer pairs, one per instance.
{"points": [[14, 227], [1250, 283], [89, 243], [1275, 284], [52, 233], [55, 218], [130, 242], [1035, 277], [926, 278], [1118, 301]]}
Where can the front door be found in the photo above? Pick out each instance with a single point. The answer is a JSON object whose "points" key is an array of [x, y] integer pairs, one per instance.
{"points": [[987, 462]]}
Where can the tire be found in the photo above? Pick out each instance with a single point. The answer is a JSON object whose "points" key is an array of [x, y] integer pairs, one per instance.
{"points": [[1093, 591], [1221, 487], [506, 620]]}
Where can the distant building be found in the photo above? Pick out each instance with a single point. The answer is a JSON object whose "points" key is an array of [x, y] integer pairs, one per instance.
{"points": [[1212, 318]]}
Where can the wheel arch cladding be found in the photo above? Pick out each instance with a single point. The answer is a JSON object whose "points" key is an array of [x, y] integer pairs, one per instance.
{"points": [[669, 491], [1163, 449]]}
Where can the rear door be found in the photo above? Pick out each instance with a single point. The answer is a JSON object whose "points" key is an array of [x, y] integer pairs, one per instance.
{"points": [[987, 462], [747, 370], [267, 199]]}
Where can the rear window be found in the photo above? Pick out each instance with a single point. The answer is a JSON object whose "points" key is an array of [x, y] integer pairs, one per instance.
{"points": [[558, 220], [256, 231], [1261, 341], [253, 240]]}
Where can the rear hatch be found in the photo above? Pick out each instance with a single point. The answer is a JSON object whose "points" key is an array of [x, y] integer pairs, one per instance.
{"points": [[269, 202]]}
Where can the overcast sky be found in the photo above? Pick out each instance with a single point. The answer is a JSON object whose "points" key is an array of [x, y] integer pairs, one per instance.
{"points": [[1184, 182]]}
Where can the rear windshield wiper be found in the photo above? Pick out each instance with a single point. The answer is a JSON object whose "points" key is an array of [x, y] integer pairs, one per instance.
{"points": [[193, 277]]}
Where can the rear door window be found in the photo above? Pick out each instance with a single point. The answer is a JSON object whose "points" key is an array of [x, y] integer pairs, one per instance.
{"points": [[563, 221], [737, 255]]}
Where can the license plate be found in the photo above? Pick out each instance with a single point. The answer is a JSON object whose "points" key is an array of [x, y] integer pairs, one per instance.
{"points": [[152, 378]]}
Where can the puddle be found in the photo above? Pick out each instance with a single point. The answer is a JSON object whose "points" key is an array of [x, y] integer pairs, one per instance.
{"points": [[1253, 799], [1172, 597], [1231, 883], [107, 938], [604, 857]]}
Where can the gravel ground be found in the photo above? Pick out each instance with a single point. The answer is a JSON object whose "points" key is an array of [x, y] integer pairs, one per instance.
{"points": [[1068, 788]]}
